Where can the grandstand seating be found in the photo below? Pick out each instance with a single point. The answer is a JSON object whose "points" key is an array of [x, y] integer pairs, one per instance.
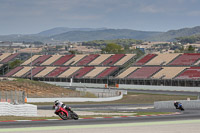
{"points": [[21, 72], [168, 72], [45, 72], [74, 60], [162, 59], [27, 62], [41, 59], [100, 59], [87, 59], [69, 72], [35, 70], [124, 59], [186, 59], [197, 63], [9, 58], [107, 72], [52, 59], [190, 73], [57, 71], [113, 59], [63, 59], [126, 72], [80, 73], [4, 56], [145, 59], [13, 71], [94, 72], [143, 73]]}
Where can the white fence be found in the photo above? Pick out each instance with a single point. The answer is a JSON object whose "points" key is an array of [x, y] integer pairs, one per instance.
{"points": [[192, 104], [7, 109], [39, 100], [164, 88], [66, 84]]}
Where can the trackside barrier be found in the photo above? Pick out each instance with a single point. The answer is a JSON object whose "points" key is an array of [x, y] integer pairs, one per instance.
{"points": [[7, 109], [67, 84], [187, 104], [76, 99], [162, 88]]}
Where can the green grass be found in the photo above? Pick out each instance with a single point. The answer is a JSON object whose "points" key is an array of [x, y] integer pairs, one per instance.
{"points": [[136, 98]]}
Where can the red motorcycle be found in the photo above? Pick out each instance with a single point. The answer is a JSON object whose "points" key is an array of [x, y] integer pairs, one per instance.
{"points": [[66, 114]]}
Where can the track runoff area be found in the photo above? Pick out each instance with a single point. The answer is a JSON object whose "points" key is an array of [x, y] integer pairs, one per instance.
{"points": [[186, 121]]}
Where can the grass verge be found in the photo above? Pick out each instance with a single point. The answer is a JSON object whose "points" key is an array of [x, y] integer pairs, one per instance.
{"points": [[136, 98], [8, 118]]}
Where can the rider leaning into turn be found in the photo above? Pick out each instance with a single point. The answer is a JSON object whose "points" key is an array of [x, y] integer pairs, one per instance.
{"points": [[177, 104], [60, 104]]}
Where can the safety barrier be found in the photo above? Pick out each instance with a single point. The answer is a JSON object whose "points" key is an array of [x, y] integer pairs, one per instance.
{"points": [[187, 104], [7, 109], [39, 100]]}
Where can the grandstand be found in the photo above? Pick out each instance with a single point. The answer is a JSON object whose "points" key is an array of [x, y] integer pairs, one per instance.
{"points": [[52, 59], [190, 73], [143, 73], [152, 69], [145, 59], [168, 72], [46, 71], [185, 59], [162, 59]]}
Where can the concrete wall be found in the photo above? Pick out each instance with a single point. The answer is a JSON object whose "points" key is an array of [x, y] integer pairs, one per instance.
{"points": [[166, 88], [192, 104], [65, 84], [17, 110], [39, 100]]}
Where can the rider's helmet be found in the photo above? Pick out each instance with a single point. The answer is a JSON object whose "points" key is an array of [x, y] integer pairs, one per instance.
{"points": [[174, 101], [56, 102]]}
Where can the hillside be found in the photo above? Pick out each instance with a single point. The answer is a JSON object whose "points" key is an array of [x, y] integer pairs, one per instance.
{"points": [[60, 30], [90, 34], [108, 34], [172, 34]]}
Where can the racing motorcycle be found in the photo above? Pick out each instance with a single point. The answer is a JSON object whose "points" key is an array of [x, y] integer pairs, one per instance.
{"points": [[66, 114], [180, 107]]}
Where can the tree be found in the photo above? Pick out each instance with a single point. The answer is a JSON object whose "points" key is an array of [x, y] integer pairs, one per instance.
{"points": [[14, 64], [113, 48], [191, 49]]}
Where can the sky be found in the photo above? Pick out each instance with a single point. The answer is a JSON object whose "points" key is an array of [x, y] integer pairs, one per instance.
{"points": [[34, 16]]}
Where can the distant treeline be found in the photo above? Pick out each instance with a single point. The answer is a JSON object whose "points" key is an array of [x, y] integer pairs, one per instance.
{"points": [[116, 41]]}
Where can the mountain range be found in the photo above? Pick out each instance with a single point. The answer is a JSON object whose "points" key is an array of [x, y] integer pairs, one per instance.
{"points": [[89, 34]]}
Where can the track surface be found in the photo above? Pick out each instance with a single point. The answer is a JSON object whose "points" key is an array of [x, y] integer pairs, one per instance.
{"points": [[186, 115]]}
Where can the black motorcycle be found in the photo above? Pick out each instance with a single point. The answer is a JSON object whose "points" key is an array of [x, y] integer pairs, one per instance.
{"points": [[179, 106]]}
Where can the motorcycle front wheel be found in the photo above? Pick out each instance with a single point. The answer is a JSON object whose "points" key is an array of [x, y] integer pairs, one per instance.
{"points": [[75, 116]]}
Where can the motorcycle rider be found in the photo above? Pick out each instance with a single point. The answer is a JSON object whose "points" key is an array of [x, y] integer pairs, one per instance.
{"points": [[177, 104], [60, 104]]}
